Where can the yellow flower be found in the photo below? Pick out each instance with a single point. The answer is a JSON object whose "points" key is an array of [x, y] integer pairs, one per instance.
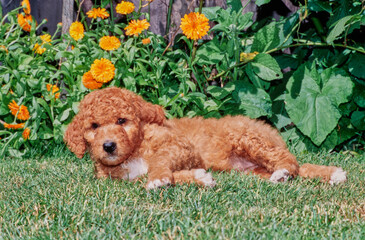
{"points": [[14, 126], [89, 82], [38, 48], [26, 6], [98, 13], [77, 30], [125, 8], [22, 111], [53, 89], [26, 133], [46, 38], [135, 27], [25, 22], [194, 25], [102, 70], [245, 57], [109, 43], [146, 41]]}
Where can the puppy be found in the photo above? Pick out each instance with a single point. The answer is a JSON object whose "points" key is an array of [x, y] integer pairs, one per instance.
{"points": [[128, 137]]}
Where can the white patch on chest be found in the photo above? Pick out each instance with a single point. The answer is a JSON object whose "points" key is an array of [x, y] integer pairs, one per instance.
{"points": [[136, 167]]}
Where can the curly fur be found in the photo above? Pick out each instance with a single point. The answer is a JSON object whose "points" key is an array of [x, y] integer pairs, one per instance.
{"points": [[178, 150]]}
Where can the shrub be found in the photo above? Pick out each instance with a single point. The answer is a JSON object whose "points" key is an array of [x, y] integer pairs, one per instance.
{"points": [[313, 92]]}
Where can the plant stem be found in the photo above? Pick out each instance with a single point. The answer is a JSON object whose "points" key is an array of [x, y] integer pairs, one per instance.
{"points": [[168, 20], [318, 44], [139, 7], [112, 15]]}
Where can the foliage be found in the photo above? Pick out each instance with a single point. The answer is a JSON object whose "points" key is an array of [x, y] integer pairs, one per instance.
{"points": [[300, 73]]}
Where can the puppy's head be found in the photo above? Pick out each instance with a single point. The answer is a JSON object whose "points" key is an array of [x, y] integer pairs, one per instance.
{"points": [[109, 124]]}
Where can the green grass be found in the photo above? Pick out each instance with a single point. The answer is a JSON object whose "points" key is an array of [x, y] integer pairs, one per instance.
{"points": [[53, 195]]}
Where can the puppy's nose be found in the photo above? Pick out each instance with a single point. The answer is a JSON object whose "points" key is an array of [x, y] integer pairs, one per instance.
{"points": [[109, 147]]}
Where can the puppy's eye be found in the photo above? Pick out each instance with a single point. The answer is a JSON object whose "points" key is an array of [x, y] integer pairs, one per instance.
{"points": [[121, 121], [94, 125]]}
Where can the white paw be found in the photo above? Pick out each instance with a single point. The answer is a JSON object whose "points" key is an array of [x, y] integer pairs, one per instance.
{"points": [[280, 175], [157, 183], [204, 177], [338, 176]]}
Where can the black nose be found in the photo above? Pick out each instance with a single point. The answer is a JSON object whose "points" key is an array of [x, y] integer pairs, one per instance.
{"points": [[109, 147]]}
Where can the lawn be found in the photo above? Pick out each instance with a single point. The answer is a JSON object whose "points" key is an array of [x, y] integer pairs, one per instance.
{"points": [[53, 195]]}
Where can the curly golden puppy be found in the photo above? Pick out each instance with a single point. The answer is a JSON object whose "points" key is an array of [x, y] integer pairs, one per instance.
{"points": [[128, 137]]}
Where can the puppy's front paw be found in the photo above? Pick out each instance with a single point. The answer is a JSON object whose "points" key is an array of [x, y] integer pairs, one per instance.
{"points": [[280, 175], [204, 178], [157, 183], [338, 176]]}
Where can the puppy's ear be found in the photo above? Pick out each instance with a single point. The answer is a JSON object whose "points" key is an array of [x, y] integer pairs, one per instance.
{"points": [[74, 136], [149, 112]]}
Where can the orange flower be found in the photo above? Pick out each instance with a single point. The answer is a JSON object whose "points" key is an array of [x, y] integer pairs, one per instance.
{"points": [[102, 70], [3, 48], [26, 133], [109, 43], [125, 8], [14, 126], [22, 111], [146, 41], [53, 89], [25, 22], [77, 30], [98, 13], [194, 25], [135, 27], [59, 24], [89, 82], [26, 6]]}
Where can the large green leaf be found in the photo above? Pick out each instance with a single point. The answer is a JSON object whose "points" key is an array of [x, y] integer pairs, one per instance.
{"points": [[358, 119], [312, 100], [255, 102], [357, 65], [266, 67], [268, 37]]}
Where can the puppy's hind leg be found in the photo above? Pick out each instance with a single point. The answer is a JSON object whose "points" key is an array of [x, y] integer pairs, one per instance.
{"points": [[275, 158], [199, 176]]}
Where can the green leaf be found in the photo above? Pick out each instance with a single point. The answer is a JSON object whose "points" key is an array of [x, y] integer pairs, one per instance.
{"points": [[266, 67], [268, 37], [65, 114], [262, 2], [217, 92], [357, 65], [255, 102], [313, 109], [236, 5], [209, 53], [358, 119], [210, 12], [338, 29]]}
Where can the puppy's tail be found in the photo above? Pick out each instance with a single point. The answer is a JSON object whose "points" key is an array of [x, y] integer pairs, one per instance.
{"points": [[331, 174]]}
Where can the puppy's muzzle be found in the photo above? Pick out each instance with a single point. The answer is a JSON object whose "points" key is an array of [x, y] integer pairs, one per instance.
{"points": [[109, 147]]}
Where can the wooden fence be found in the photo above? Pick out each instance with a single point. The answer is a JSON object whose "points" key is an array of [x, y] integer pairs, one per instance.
{"points": [[56, 11]]}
